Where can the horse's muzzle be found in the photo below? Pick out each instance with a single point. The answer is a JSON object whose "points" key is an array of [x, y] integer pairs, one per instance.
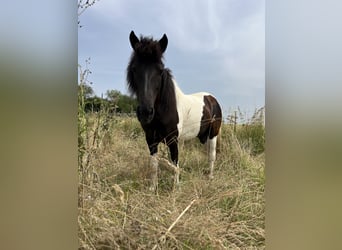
{"points": [[145, 114]]}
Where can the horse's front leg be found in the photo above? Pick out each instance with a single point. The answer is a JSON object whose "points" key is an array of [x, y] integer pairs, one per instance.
{"points": [[173, 146], [154, 166]]}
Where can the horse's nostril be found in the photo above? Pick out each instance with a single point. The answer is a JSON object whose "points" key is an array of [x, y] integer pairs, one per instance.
{"points": [[151, 111]]}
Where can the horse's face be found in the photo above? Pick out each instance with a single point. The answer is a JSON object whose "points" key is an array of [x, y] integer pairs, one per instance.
{"points": [[148, 80], [145, 74]]}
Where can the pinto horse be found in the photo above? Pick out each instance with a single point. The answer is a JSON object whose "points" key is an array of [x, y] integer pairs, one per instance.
{"points": [[165, 113]]}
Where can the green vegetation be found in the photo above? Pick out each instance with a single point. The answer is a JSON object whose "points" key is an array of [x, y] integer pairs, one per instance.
{"points": [[114, 101]]}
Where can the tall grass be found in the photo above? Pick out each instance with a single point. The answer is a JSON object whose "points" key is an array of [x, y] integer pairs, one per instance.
{"points": [[117, 211], [251, 133]]}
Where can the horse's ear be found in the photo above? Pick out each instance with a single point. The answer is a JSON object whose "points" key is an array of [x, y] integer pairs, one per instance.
{"points": [[163, 43], [133, 39]]}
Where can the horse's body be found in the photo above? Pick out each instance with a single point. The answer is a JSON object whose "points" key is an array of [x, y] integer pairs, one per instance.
{"points": [[167, 114]]}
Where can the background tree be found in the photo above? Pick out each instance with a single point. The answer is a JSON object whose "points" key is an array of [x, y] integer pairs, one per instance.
{"points": [[88, 91], [113, 95], [127, 104], [122, 103]]}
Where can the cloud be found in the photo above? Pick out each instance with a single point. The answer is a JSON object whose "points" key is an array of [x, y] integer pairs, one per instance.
{"points": [[191, 24], [229, 33]]}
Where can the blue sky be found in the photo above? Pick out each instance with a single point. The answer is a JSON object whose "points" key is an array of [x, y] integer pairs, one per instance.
{"points": [[216, 46]]}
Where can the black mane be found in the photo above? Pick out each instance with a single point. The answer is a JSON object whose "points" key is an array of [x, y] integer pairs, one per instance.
{"points": [[167, 92]]}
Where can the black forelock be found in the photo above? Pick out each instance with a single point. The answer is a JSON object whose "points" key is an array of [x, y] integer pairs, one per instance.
{"points": [[148, 50]]}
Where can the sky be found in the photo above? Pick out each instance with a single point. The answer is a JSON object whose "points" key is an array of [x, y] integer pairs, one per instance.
{"points": [[216, 46]]}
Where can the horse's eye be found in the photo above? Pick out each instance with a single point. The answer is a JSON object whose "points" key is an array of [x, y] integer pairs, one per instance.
{"points": [[157, 87]]}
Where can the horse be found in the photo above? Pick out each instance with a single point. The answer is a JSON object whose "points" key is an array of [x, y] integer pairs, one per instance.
{"points": [[165, 113]]}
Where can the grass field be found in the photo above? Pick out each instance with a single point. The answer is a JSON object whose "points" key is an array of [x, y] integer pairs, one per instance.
{"points": [[117, 211]]}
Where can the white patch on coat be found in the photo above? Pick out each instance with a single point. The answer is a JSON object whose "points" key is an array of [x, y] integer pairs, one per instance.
{"points": [[190, 111]]}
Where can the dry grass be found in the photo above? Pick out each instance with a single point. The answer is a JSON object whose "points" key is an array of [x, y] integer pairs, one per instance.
{"points": [[118, 212]]}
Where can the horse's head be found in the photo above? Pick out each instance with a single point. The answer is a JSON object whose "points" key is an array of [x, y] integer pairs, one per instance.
{"points": [[145, 74]]}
